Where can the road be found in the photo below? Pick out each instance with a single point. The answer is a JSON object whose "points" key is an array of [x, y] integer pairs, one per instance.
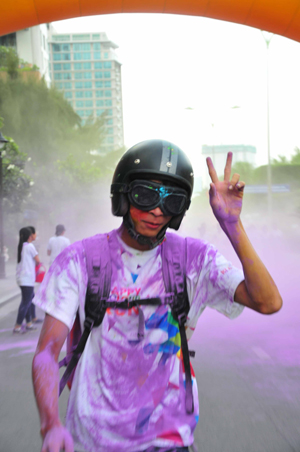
{"points": [[248, 373]]}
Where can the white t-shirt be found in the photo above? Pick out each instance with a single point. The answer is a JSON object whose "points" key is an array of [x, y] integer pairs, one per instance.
{"points": [[25, 274], [129, 394], [56, 245]]}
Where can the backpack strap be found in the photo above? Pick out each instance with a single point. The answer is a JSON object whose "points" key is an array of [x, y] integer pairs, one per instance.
{"points": [[98, 264], [174, 251]]}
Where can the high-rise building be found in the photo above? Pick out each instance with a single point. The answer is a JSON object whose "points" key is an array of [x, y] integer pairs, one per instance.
{"points": [[85, 67], [32, 47]]}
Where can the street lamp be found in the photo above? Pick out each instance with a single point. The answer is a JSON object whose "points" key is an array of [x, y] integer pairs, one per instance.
{"points": [[3, 141], [269, 172]]}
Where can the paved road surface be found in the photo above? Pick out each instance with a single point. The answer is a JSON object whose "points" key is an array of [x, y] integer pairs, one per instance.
{"points": [[248, 373]]}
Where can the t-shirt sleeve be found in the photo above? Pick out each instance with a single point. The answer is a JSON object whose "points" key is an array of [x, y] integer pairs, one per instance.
{"points": [[211, 281], [32, 250], [64, 286]]}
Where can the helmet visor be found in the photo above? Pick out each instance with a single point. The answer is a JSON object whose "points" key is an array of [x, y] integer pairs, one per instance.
{"points": [[146, 195]]}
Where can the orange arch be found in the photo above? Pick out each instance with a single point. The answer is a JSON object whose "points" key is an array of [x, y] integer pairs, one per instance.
{"points": [[278, 16]]}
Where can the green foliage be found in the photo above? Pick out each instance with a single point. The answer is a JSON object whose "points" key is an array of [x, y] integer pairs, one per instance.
{"points": [[295, 160], [245, 170], [16, 184]]}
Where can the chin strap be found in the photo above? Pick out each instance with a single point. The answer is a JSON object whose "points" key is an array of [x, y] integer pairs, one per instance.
{"points": [[142, 239]]}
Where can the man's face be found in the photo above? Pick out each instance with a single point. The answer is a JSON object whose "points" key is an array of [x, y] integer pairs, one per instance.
{"points": [[148, 223]]}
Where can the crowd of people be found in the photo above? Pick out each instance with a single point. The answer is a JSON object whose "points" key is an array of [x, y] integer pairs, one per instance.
{"points": [[28, 262]]}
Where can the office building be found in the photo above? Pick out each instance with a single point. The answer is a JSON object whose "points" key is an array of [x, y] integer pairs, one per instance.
{"points": [[86, 69]]}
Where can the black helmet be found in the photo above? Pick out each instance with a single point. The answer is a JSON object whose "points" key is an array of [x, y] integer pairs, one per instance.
{"points": [[150, 159]]}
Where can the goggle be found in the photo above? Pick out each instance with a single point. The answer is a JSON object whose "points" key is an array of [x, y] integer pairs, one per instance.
{"points": [[147, 195]]}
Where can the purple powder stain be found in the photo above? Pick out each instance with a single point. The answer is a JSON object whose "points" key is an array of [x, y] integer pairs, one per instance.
{"points": [[27, 346]]}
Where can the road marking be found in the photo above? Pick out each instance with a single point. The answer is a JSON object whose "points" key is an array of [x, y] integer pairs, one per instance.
{"points": [[261, 353]]}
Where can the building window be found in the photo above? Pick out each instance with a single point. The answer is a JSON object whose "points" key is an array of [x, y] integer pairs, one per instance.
{"points": [[107, 74], [77, 66], [67, 76], [68, 85], [58, 76], [86, 55], [98, 65], [78, 75], [79, 103], [88, 84], [68, 95], [98, 74], [96, 37], [79, 94], [99, 93], [108, 102], [88, 94], [109, 112], [58, 85], [109, 121], [100, 112], [78, 85], [107, 93], [57, 67], [67, 66], [85, 37], [77, 56], [88, 112], [56, 47], [57, 57], [88, 103], [80, 112], [61, 38], [98, 84], [110, 139], [106, 55], [96, 46], [87, 75], [110, 130], [87, 65], [66, 56], [65, 47], [99, 103], [107, 64], [97, 55], [107, 84]]}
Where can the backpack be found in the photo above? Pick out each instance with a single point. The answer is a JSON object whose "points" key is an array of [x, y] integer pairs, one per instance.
{"points": [[98, 261]]}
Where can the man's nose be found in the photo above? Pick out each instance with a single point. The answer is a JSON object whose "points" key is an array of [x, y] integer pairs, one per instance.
{"points": [[157, 212]]}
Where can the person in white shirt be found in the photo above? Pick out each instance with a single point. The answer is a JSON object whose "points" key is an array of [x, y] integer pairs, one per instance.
{"points": [[57, 243], [25, 275]]}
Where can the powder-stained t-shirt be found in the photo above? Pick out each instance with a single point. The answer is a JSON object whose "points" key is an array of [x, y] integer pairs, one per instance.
{"points": [[25, 273], [129, 394]]}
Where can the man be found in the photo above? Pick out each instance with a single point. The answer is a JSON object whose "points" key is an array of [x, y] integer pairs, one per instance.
{"points": [[57, 243], [128, 395]]}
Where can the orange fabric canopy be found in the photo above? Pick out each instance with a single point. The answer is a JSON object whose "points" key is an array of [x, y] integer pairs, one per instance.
{"points": [[278, 16]]}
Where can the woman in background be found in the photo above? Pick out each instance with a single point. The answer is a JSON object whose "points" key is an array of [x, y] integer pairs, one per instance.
{"points": [[27, 260]]}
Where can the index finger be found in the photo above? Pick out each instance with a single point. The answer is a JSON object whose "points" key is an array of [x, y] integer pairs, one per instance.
{"points": [[211, 170]]}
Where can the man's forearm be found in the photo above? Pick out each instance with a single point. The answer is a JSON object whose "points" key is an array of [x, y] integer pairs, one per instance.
{"points": [[260, 286], [45, 375]]}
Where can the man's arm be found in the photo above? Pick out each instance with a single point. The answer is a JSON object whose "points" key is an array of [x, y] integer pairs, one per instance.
{"points": [[258, 291], [45, 374]]}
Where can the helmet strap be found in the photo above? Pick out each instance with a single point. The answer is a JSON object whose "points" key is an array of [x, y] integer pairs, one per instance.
{"points": [[142, 239]]}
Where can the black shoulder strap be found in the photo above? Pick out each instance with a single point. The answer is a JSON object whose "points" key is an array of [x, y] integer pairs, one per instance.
{"points": [[98, 264], [174, 252]]}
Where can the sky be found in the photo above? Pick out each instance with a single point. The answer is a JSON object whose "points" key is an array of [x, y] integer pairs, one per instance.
{"points": [[195, 81]]}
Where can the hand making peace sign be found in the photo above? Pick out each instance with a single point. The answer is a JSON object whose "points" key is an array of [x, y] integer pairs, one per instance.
{"points": [[226, 197]]}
